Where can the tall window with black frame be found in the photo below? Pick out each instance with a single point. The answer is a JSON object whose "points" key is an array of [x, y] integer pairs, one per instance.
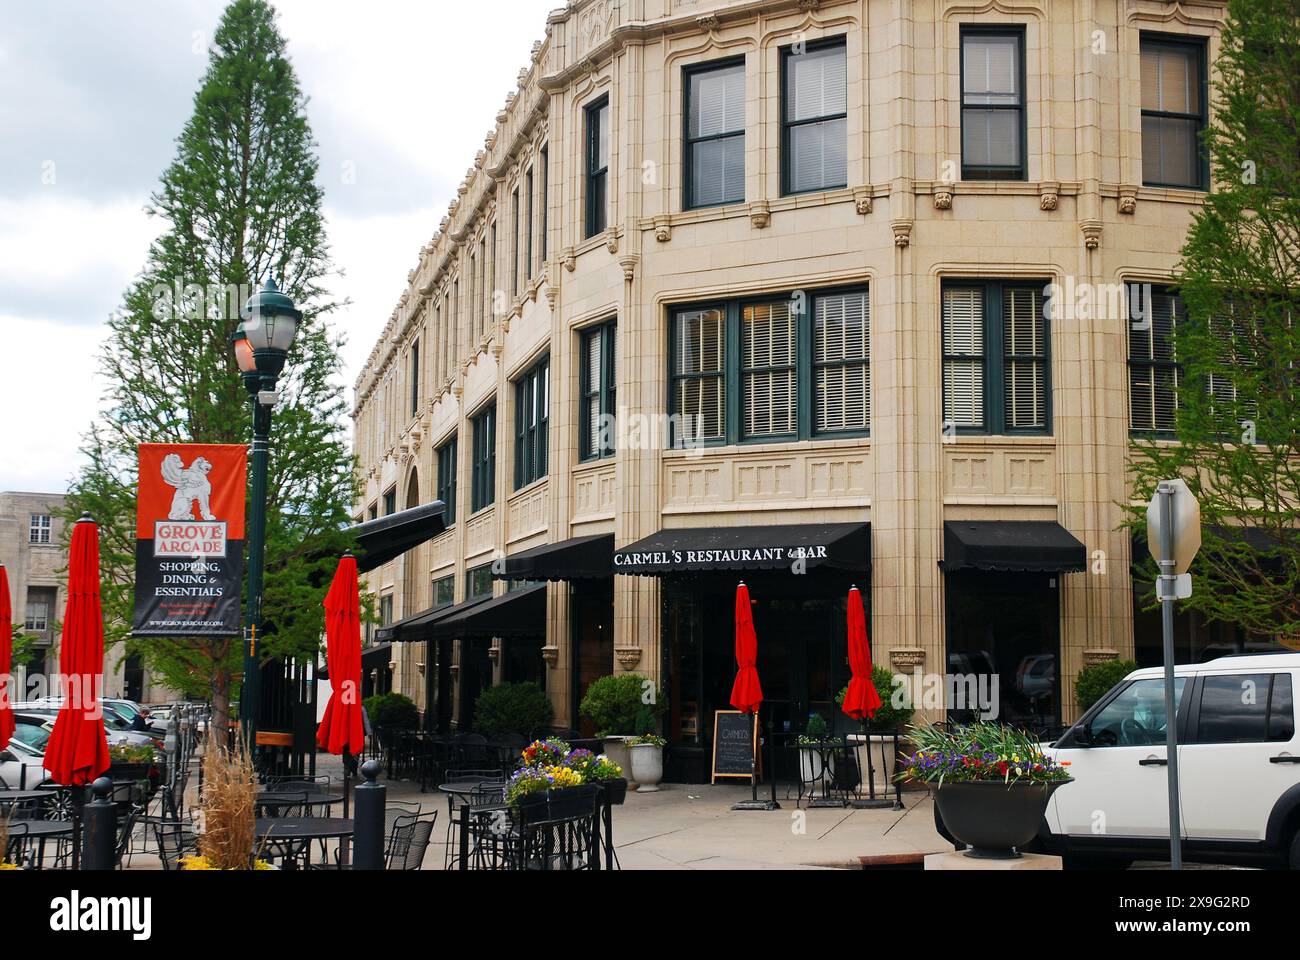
{"points": [[532, 402], [484, 467], [597, 214]]}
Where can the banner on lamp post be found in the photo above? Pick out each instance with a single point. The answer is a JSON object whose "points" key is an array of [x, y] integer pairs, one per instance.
{"points": [[189, 539]]}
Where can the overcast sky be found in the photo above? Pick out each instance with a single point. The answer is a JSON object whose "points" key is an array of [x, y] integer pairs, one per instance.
{"points": [[92, 96]]}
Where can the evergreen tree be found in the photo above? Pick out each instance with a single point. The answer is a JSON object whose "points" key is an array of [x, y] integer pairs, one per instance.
{"points": [[1238, 418], [239, 204]]}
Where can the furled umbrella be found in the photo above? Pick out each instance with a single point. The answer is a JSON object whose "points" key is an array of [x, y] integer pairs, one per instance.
{"points": [[746, 692], [861, 701], [77, 751], [342, 730], [6, 659]]}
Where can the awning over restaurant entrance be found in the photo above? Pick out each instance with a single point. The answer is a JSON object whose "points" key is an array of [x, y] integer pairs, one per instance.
{"points": [[515, 613], [841, 546], [420, 626], [580, 558], [387, 538], [378, 655], [1012, 545]]}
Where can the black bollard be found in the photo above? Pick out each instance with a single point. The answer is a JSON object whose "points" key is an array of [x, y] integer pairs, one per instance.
{"points": [[99, 834], [369, 799]]}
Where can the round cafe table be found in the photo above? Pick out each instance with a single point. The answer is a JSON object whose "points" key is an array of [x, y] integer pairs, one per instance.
{"points": [[40, 831], [9, 797], [273, 799], [292, 837]]}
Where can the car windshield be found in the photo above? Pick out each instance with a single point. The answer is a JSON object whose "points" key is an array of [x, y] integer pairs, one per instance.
{"points": [[123, 709], [33, 735]]}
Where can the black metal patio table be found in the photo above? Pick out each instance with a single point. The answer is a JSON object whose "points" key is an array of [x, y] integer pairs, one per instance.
{"points": [[9, 797], [39, 830], [273, 799], [827, 780], [296, 834]]}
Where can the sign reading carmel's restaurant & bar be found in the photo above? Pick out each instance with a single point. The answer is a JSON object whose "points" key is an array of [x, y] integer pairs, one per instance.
{"points": [[189, 547]]}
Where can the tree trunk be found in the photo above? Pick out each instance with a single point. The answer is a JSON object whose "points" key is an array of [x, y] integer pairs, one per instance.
{"points": [[219, 724]]}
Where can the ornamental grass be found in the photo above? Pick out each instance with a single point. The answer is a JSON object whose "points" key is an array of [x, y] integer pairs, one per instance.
{"points": [[229, 806]]}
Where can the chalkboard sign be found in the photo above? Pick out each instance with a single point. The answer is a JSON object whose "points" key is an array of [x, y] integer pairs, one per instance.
{"points": [[734, 737]]}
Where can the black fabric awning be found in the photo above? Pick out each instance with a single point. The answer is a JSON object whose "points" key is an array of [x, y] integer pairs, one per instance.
{"points": [[580, 558], [420, 626], [519, 612], [840, 546], [387, 538], [378, 655], [1012, 545]]}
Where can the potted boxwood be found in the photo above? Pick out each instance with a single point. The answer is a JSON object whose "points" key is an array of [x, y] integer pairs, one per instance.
{"points": [[895, 714], [620, 706], [991, 784], [647, 751], [518, 708]]}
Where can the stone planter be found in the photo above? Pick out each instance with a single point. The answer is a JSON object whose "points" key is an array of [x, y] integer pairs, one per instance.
{"points": [[991, 817], [883, 761], [647, 766], [616, 750], [811, 769]]}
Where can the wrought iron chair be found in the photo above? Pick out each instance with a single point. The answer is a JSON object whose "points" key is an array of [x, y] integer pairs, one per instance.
{"points": [[558, 832], [176, 839], [408, 840], [484, 779]]}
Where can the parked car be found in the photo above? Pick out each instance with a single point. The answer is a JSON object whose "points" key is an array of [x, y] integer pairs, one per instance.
{"points": [[21, 766], [1238, 763], [116, 729]]}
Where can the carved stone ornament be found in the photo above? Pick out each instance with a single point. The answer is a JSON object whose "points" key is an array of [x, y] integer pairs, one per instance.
{"points": [[1091, 233], [1099, 655], [943, 198], [1048, 196], [760, 214], [551, 656], [494, 654], [611, 240], [663, 228], [862, 200], [902, 232], [628, 262], [708, 21], [570, 259], [1128, 200], [628, 657]]}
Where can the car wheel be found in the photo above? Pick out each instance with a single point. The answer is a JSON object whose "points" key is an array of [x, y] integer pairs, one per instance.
{"points": [[1295, 850]]}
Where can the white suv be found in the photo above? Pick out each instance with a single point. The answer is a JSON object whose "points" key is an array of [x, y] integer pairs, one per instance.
{"points": [[1238, 763]]}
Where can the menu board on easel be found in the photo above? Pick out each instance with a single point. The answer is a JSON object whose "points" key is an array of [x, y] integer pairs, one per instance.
{"points": [[735, 741]]}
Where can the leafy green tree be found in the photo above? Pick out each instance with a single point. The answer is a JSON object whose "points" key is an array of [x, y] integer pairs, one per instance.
{"points": [[1238, 418], [240, 203]]}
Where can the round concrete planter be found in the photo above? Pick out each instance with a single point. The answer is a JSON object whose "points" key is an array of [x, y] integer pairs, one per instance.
{"points": [[991, 817], [616, 750], [647, 766], [811, 767]]}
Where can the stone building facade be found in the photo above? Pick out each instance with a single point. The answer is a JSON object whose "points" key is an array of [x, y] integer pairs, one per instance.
{"points": [[824, 232]]}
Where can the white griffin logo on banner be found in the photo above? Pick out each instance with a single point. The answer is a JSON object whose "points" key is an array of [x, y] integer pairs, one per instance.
{"points": [[191, 484]]}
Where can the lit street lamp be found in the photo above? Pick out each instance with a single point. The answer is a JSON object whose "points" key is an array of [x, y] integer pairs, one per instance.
{"points": [[270, 322]]}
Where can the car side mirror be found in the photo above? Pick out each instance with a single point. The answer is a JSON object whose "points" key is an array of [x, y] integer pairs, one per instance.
{"points": [[1082, 736], [6, 757]]}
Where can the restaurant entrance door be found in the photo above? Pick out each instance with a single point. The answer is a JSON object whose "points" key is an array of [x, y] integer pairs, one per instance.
{"points": [[591, 609]]}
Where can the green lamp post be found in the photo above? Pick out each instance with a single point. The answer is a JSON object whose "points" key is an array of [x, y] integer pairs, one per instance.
{"points": [[270, 322]]}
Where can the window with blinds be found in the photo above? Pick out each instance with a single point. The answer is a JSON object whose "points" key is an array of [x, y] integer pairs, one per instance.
{"points": [[447, 479], [814, 112], [996, 358], [715, 134], [599, 404], [963, 357], [532, 405], [1024, 366], [792, 367], [1153, 371], [483, 472], [597, 166], [993, 105], [413, 378], [699, 381], [1173, 113], [768, 345], [842, 362]]}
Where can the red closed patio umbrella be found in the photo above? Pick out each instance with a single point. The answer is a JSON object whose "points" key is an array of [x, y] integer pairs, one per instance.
{"points": [[77, 751], [746, 692], [861, 701], [6, 659], [341, 729]]}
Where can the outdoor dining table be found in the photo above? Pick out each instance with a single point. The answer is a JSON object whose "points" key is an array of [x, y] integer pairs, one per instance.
{"points": [[827, 777], [302, 831], [464, 789], [275, 798], [41, 830], [9, 797]]}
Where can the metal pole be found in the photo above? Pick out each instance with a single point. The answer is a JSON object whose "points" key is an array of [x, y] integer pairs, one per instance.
{"points": [[368, 825], [100, 835], [250, 693], [1167, 578]]}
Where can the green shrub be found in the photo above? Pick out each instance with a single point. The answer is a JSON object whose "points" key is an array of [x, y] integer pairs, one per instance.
{"points": [[1095, 682], [513, 708], [391, 711], [614, 705], [889, 717]]}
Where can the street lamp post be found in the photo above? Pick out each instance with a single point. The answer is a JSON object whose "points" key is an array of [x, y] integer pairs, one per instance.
{"points": [[270, 322]]}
